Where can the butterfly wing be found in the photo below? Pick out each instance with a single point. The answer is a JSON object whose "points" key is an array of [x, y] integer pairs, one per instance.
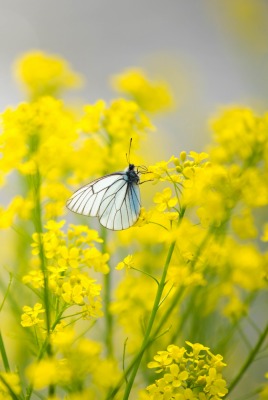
{"points": [[120, 210], [114, 199]]}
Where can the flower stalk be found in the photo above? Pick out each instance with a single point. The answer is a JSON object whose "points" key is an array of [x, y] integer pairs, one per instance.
{"points": [[155, 308], [251, 357]]}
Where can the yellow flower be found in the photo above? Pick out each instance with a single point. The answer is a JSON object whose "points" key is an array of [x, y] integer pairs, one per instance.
{"points": [[48, 372], [175, 377], [164, 200], [69, 257], [126, 263], [198, 157], [159, 169], [30, 315], [125, 117], [44, 74], [162, 360], [35, 278], [54, 226], [215, 385], [151, 96], [73, 294], [192, 376], [13, 381], [18, 207], [109, 369], [63, 336], [80, 289], [92, 118], [177, 353], [264, 237], [196, 349], [243, 225], [144, 217], [95, 259], [81, 234], [240, 136]]}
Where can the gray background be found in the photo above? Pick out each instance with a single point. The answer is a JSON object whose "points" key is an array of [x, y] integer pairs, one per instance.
{"points": [[212, 52]]}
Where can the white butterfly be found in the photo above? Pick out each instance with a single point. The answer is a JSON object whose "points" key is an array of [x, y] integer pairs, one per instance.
{"points": [[114, 199]]}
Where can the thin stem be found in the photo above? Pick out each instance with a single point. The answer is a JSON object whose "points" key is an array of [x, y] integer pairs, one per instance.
{"points": [[39, 229], [7, 291], [249, 359], [12, 393], [37, 219], [108, 315], [147, 339], [179, 293], [4, 354], [124, 355], [107, 286], [243, 336], [145, 273]]}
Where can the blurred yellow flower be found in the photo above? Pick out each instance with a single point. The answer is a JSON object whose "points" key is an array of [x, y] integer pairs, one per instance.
{"points": [[264, 237], [48, 372], [43, 74], [150, 96], [92, 118], [13, 381]]}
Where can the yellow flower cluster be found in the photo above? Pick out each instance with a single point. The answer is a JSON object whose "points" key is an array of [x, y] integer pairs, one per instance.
{"points": [[80, 362], [31, 315], [43, 74], [187, 375], [206, 200], [66, 255], [240, 137], [115, 124], [195, 255], [264, 391], [37, 141], [9, 380], [150, 96]]}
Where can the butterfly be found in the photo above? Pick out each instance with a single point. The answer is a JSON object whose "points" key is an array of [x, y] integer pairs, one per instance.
{"points": [[114, 199]]}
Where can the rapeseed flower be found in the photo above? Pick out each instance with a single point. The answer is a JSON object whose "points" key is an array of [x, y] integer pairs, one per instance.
{"points": [[9, 380], [30, 316], [150, 96], [192, 375], [43, 74], [195, 259], [126, 263]]}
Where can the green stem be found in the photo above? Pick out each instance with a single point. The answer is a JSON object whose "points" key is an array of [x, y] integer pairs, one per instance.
{"points": [[108, 315], [179, 293], [7, 291], [107, 286], [11, 392], [4, 354], [37, 219], [249, 359], [39, 229], [146, 339]]}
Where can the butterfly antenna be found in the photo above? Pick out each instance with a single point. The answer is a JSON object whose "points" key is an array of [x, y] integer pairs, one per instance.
{"points": [[128, 155]]}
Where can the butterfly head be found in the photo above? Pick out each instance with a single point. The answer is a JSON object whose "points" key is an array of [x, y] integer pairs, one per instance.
{"points": [[131, 174]]}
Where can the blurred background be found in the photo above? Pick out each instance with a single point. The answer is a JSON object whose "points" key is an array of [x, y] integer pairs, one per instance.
{"points": [[212, 53]]}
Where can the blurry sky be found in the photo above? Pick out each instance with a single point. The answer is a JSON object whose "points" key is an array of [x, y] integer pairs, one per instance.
{"points": [[212, 52]]}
